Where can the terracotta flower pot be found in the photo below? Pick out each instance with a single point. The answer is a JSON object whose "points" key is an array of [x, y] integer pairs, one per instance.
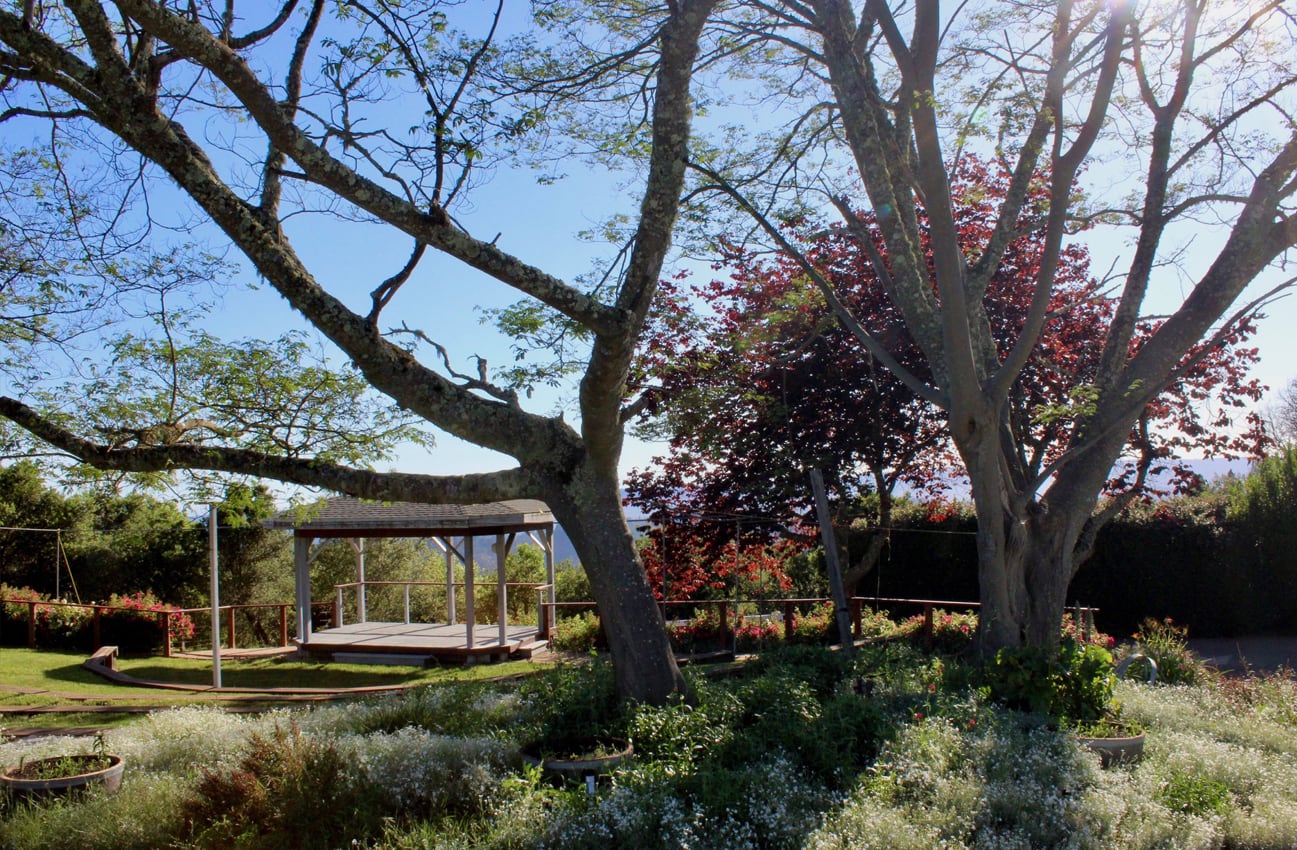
{"points": [[33, 778]]}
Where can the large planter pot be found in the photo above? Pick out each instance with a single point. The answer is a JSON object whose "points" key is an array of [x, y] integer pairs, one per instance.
{"points": [[577, 757], [1127, 746], [81, 774]]}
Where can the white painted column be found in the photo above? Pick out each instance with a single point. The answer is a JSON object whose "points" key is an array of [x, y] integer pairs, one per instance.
{"points": [[450, 584], [547, 535], [469, 570], [215, 599], [501, 589], [358, 546], [302, 586]]}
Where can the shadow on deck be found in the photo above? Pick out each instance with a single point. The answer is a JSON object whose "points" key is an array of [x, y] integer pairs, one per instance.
{"points": [[402, 643]]}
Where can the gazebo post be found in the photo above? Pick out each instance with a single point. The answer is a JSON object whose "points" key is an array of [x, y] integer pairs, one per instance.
{"points": [[450, 583], [502, 547], [302, 586], [547, 620], [358, 546], [469, 570]]}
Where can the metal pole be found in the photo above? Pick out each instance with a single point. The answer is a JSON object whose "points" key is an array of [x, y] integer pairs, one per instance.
{"points": [[216, 597]]}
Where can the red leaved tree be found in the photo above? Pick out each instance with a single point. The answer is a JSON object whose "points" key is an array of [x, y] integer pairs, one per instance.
{"points": [[754, 382]]}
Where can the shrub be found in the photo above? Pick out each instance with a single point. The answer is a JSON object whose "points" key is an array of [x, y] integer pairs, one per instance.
{"points": [[571, 699], [577, 634], [288, 790], [1168, 645], [951, 633], [1073, 684], [816, 627], [134, 624], [750, 635], [130, 622]]}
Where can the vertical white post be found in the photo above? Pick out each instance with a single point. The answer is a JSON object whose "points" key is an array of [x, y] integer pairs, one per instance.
{"points": [[361, 604], [216, 597], [501, 588], [450, 585], [302, 584], [551, 613], [407, 604], [469, 613]]}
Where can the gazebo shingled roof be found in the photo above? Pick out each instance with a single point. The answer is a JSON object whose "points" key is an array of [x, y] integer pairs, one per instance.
{"points": [[344, 516]]}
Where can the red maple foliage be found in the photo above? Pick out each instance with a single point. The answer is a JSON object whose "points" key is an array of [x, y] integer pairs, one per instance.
{"points": [[753, 382]]}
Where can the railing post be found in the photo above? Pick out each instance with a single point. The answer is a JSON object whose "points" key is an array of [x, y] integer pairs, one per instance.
{"points": [[96, 626], [407, 603], [283, 624], [231, 626], [337, 609], [165, 618], [725, 622], [927, 625], [856, 624], [789, 609], [31, 625], [542, 615]]}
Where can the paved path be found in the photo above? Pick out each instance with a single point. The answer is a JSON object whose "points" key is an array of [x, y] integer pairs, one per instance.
{"points": [[1258, 654]]}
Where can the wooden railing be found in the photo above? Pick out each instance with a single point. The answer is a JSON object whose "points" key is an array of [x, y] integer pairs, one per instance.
{"points": [[788, 609], [228, 614], [545, 616], [728, 611]]}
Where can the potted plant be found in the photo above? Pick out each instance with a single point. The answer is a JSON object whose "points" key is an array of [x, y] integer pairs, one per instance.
{"points": [[577, 756], [64, 774], [1074, 688], [1114, 741]]}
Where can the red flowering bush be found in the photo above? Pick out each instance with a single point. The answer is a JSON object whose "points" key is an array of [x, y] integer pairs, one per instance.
{"points": [[1086, 636], [131, 622], [134, 622], [951, 633], [700, 633], [57, 626], [816, 626], [753, 634]]}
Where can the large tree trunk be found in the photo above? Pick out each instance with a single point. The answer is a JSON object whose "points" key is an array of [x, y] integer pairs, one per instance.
{"points": [[1026, 549], [589, 508], [1024, 569]]}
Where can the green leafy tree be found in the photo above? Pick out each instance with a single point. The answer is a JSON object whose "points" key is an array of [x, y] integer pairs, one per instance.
{"points": [[135, 543], [29, 558], [299, 91]]}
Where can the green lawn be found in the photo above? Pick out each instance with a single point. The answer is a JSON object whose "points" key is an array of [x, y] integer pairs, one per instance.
{"points": [[62, 672]]}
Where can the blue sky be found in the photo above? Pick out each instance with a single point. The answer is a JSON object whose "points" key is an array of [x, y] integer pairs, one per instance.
{"points": [[540, 224]]}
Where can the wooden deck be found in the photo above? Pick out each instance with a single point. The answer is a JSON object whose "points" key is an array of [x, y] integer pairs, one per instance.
{"points": [[439, 641]]}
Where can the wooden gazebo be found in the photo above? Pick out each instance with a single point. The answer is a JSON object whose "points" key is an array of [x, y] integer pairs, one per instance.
{"points": [[453, 529]]}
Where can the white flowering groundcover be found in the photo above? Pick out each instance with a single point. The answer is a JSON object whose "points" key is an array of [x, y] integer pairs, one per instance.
{"points": [[1220, 771]]}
